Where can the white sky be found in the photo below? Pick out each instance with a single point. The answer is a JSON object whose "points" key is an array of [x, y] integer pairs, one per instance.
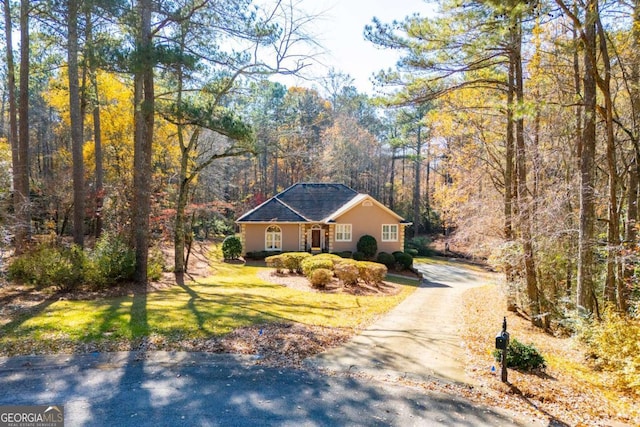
{"points": [[340, 31]]}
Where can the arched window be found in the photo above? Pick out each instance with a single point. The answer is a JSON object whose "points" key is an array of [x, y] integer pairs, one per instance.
{"points": [[273, 238]]}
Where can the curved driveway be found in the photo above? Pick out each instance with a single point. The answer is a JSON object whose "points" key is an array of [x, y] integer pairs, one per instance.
{"points": [[419, 339]]}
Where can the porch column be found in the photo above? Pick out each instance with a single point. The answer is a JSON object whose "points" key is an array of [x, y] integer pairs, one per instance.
{"points": [[243, 238], [303, 232], [331, 234]]}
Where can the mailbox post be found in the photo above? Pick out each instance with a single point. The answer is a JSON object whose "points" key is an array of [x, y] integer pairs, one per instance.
{"points": [[502, 344]]}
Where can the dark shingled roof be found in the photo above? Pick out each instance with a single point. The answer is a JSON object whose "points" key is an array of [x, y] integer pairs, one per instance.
{"points": [[304, 202]]}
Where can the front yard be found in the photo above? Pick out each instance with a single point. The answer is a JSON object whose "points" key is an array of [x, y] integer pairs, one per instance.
{"points": [[231, 310]]}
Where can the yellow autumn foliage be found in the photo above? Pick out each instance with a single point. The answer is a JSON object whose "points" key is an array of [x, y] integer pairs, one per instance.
{"points": [[115, 97]]}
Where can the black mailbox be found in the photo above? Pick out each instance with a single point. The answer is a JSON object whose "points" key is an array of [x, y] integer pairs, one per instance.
{"points": [[502, 340]]}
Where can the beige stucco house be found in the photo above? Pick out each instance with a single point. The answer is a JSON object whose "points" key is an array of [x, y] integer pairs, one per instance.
{"points": [[320, 217]]}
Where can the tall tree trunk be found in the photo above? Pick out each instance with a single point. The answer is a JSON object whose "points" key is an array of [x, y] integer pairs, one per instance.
{"points": [[633, 186], [613, 235], [97, 128], [21, 193], [13, 112], [577, 149], [585, 293], [76, 125], [179, 265], [417, 181], [524, 199], [427, 185], [143, 139], [508, 188]]}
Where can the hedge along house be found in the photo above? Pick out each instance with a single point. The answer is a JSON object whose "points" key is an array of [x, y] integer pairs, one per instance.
{"points": [[320, 217]]}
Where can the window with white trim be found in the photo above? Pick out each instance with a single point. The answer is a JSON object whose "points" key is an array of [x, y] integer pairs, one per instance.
{"points": [[389, 232], [273, 238], [343, 232]]}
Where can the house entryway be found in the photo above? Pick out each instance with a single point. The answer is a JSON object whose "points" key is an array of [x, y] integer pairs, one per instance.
{"points": [[316, 239]]}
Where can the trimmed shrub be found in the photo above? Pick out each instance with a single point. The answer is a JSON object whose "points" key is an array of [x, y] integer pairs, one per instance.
{"points": [[358, 256], [404, 260], [368, 246], [335, 259], [315, 262], [522, 357], [347, 273], [412, 252], [231, 247], [293, 261], [321, 277], [386, 259], [421, 244], [371, 273], [275, 261]]}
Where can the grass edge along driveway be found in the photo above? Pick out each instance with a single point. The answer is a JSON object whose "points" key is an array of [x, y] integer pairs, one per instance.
{"points": [[233, 297]]}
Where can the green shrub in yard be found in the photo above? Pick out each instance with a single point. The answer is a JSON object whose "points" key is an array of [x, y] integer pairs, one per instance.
{"points": [[275, 261], [231, 247], [522, 357], [335, 259], [419, 244], [386, 259], [412, 252], [50, 265], [321, 277], [404, 260], [111, 261], [155, 265], [315, 262], [368, 246], [371, 273], [359, 256], [347, 273], [293, 261]]}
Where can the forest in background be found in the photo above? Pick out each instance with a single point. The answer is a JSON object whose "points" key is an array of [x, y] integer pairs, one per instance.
{"points": [[514, 124]]}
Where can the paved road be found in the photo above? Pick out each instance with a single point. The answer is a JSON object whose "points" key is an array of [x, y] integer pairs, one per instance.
{"points": [[197, 389], [420, 338]]}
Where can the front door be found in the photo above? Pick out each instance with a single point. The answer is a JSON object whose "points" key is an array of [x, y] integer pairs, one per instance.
{"points": [[315, 238]]}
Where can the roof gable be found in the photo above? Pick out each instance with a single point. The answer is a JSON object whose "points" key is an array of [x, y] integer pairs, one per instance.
{"points": [[356, 201]]}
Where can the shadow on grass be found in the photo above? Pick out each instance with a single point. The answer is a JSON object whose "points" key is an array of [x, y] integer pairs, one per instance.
{"points": [[249, 307], [29, 313]]}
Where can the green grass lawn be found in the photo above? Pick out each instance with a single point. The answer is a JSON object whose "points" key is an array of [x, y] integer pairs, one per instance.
{"points": [[233, 297]]}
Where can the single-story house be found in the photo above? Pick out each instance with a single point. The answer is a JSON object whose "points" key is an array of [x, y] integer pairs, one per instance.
{"points": [[320, 217]]}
